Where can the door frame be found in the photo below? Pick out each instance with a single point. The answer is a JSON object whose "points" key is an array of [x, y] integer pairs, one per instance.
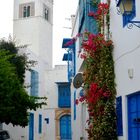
{"points": [[128, 110]]}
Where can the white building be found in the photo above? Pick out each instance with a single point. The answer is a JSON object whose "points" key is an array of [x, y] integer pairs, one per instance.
{"points": [[125, 31], [33, 26], [126, 58]]}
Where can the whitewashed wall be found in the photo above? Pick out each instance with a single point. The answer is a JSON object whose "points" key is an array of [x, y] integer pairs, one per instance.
{"points": [[126, 56], [58, 74], [78, 125]]}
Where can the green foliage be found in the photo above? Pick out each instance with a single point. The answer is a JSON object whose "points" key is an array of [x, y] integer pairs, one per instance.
{"points": [[14, 100], [20, 61]]}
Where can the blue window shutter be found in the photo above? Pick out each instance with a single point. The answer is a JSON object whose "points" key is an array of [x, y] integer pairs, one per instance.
{"points": [[74, 110], [64, 96], [65, 127], [31, 126], [34, 83], [119, 116], [91, 24], [40, 124]]}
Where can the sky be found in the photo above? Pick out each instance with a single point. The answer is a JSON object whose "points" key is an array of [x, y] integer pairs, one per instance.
{"points": [[63, 9]]}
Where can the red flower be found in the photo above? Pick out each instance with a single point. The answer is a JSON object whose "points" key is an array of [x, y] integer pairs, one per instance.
{"points": [[93, 87], [83, 56], [106, 94], [76, 102]]}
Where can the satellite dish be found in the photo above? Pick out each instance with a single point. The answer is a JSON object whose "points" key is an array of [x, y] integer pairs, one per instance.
{"points": [[78, 80]]}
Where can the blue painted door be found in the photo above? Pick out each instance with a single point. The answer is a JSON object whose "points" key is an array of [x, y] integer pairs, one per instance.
{"points": [[65, 127], [31, 126], [134, 117]]}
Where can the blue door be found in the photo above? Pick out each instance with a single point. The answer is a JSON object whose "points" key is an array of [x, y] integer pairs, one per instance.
{"points": [[65, 127], [31, 126], [134, 116]]}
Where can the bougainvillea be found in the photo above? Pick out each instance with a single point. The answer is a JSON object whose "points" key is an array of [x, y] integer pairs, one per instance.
{"points": [[98, 77], [99, 87]]}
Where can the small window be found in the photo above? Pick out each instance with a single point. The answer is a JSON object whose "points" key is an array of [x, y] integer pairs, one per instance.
{"points": [[46, 14], [26, 10], [47, 120], [40, 124]]}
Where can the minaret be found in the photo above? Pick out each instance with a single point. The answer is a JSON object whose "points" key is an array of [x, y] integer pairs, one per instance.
{"points": [[33, 27]]}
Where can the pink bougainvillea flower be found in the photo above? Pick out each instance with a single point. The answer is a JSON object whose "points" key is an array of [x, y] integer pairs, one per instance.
{"points": [[76, 101], [93, 87], [83, 56], [106, 94]]}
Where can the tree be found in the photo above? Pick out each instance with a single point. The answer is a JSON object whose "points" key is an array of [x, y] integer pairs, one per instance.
{"points": [[20, 61], [14, 100]]}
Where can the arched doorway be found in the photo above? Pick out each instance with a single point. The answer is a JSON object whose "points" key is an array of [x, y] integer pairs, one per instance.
{"points": [[65, 127]]}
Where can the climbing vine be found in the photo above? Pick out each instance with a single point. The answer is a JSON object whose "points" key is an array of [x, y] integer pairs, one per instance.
{"points": [[98, 76]]}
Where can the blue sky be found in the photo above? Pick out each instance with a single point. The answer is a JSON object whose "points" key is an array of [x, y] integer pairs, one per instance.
{"points": [[63, 9]]}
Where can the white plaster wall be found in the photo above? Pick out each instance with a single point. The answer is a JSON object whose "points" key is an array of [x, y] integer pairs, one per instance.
{"points": [[78, 125], [50, 128], [58, 74], [126, 56]]}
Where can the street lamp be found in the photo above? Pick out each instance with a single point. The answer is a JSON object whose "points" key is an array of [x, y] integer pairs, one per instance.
{"points": [[125, 6], [127, 9]]}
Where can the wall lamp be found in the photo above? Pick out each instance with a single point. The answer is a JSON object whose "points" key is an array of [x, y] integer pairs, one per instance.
{"points": [[127, 9]]}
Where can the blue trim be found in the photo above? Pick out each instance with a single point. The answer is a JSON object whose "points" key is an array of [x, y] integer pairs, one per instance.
{"points": [[90, 22], [74, 60], [64, 96], [67, 57], [81, 22], [40, 124], [65, 127], [81, 93], [74, 109], [133, 102], [31, 126], [86, 22], [70, 57], [34, 83], [119, 116], [65, 40]]}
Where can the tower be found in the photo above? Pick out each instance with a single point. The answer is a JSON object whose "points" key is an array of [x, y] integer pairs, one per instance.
{"points": [[33, 27]]}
